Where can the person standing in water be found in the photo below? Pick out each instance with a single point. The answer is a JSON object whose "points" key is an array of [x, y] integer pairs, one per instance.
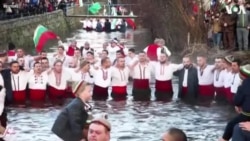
{"points": [[70, 122], [241, 102]]}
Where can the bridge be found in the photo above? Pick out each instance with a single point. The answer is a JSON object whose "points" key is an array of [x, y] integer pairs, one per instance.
{"points": [[107, 11], [103, 16]]}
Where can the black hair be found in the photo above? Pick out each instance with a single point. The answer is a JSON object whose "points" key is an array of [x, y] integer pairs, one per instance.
{"points": [[13, 62], [131, 50], [106, 51]]}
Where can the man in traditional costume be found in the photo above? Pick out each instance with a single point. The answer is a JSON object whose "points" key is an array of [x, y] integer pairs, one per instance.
{"points": [[236, 79], [188, 81], [75, 60], [102, 80], [83, 74], [15, 82], [141, 76], [163, 71], [112, 49], [72, 48], [60, 55], [205, 77], [154, 50], [119, 79], [228, 75], [37, 83], [58, 82], [85, 49], [219, 80], [131, 58], [118, 55]]}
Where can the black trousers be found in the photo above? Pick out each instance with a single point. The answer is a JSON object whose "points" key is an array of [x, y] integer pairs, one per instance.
{"points": [[230, 125]]}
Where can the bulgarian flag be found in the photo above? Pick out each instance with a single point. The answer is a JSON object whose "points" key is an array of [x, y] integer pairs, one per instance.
{"points": [[41, 36]]}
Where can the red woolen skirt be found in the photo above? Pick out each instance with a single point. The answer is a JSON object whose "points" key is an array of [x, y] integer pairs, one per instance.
{"points": [[19, 97], [220, 92], [100, 92], [229, 95], [119, 90], [141, 84], [37, 95], [55, 93], [163, 86], [206, 90]]}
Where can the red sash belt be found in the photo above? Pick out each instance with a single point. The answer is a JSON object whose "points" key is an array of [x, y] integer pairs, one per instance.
{"points": [[228, 94], [37, 95], [220, 91], [19, 96], [206, 90], [141, 83], [163, 86], [184, 90], [121, 90], [97, 90], [55, 93]]}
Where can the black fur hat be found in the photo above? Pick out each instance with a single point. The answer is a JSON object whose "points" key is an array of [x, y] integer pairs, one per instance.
{"points": [[11, 46]]}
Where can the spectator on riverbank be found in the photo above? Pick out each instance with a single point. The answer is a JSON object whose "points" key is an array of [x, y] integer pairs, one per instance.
{"points": [[174, 134], [243, 26], [228, 22]]}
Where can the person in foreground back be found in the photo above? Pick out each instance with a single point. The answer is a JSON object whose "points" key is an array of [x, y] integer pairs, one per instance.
{"points": [[70, 122], [174, 134], [99, 130]]}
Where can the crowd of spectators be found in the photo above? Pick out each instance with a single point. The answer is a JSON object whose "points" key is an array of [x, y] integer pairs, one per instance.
{"points": [[228, 25], [19, 8]]}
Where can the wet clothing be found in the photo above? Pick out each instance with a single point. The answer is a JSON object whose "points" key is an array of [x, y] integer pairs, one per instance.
{"points": [[70, 122], [192, 84], [242, 100]]}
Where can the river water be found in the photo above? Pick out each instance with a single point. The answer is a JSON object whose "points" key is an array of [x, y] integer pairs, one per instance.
{"points": [[131, 121]]}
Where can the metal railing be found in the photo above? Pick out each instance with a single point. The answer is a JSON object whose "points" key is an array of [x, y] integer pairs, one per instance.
{"points": [[29, 10]]}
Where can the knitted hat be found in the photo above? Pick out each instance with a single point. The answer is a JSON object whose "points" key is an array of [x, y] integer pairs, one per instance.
{"points": [[229, 59], [103, 122], [245, 70], [76, 86], [11, 46]]}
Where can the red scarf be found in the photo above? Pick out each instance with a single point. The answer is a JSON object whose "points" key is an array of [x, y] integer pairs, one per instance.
{"points": [[152, 52]]}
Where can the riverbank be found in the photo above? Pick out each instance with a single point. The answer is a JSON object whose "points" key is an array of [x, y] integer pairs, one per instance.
{"points": [[20, 31]]}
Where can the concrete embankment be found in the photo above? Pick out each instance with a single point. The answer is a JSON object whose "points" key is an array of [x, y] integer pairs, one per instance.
{"points": [[20, 31]]}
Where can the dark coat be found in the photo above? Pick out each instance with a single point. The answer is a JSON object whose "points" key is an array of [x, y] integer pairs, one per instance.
{"points": [[7, 84], [242, 97], [70, 122], [192, 83]]}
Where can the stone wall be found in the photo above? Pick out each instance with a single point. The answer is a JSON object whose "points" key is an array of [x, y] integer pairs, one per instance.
{"points": [[20, 31]]}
